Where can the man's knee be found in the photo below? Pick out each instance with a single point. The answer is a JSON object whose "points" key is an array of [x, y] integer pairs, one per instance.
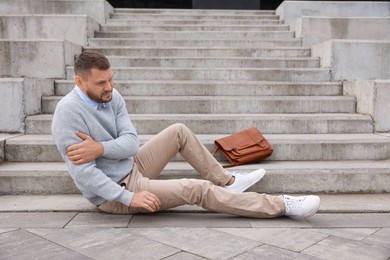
{"points": [[179, 127], [180, 130]]}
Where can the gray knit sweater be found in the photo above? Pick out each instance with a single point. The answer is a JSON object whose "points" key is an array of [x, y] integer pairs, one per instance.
{"points": [[98, 180]]}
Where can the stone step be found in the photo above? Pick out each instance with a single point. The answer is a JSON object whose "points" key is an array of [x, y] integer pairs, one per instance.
{"points": [[214, 88], [270, 124], [214, 62], [287, 147], [149, 73], [194, 16], [281, 177], [282, 52], [195, 28], [330, 203], [170, 12], [204, 35], [185, 21], [214, 43], [227, 104], [230, 123]]}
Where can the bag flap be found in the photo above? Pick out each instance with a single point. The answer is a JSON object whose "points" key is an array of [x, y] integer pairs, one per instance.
{"points": [[241, 140]]}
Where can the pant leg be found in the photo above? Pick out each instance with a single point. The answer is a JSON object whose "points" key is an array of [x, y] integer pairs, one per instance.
{"points": [[179, 192], [157, 152], [153, 157]]}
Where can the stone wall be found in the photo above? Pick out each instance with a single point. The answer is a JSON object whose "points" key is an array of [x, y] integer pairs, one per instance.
{"points": [[38, 40], [99, 10], [289, 11], [314, 30], [373, 98], [355, 59], [73, 28]]}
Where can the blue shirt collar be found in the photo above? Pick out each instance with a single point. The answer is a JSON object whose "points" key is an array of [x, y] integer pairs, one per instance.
{"points": [[87, 100]]}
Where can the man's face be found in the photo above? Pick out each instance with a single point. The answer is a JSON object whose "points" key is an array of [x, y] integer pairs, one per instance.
{"points": [[97, 85]]}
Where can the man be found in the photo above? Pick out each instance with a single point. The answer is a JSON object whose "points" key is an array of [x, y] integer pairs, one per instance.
{"points": [[99, 144]]}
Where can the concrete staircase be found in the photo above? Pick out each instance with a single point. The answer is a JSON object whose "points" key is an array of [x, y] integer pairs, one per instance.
{"points": [[219, 72]]}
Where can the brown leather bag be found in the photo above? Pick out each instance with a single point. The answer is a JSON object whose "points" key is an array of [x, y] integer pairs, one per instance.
{"points": [[243, 147]]}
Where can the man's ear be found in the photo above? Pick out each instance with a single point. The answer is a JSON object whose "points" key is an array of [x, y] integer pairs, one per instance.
{"points": [[79, 81]]}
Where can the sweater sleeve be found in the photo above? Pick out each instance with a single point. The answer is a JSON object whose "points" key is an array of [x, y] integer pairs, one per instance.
{"points": [[86, 176], [126, 144]]}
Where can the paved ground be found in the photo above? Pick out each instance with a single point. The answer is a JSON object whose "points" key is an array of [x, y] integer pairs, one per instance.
{"points": [[52, 227]]}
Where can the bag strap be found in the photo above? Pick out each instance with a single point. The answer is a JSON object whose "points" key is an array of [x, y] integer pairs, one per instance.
{"points": [[215, 153]]}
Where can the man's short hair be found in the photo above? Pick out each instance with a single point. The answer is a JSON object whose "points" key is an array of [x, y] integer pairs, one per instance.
{"points": [[90, 59]]}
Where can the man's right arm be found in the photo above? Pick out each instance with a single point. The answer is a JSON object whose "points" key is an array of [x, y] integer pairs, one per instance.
{"points": [[87, 175], [126, 143]]}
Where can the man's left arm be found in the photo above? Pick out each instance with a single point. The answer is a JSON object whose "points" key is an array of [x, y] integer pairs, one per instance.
{"points": [[124, 146]]}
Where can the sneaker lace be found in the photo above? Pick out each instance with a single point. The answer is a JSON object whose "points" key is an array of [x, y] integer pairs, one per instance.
{"points": [[233, 173], [292, 204]]}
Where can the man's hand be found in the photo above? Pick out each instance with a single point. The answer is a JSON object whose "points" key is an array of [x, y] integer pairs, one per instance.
{"points": [[86, 151], [145, 200]]}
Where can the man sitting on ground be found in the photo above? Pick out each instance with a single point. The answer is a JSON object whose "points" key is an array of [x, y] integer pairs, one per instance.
{"points": [[99, 144]]}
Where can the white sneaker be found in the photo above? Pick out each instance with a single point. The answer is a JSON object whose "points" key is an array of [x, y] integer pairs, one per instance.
{"points": [[302, 206], [242, 181]]}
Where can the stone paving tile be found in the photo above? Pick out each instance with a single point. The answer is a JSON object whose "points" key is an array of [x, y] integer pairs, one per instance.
{"points": [[351, 220], [184, 255], [355, 203], [22, 245], [342, 248], [380, 238], [94, 220], [288, 238], [270, 252], [112, 243], [27, 219], [48, 203], [188, 220], [357, 234], [204, 242], [280, 222], [186, 236], [4, 230]]}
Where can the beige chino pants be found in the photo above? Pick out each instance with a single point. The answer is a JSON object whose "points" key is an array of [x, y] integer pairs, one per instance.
{"points": [[208, 193]]}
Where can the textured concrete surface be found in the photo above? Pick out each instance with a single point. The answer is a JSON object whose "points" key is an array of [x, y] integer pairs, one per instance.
{"points": [[214, 88], [287, 147], [73, 28], [370, 59], [340, 203], [235, 43], [3, 138], [244, 105], [68, 227], [94, 235], [289, 11], [177, 57], [372, 99], [315, 30], [21, 97], [48, 58], [99, 10]]}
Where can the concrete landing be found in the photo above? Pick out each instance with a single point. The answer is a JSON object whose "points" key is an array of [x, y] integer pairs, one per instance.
{"points": [[345, 203], [74, 230]]}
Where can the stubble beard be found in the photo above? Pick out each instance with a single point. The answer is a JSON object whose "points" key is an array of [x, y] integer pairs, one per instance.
{"points": [[101, 98]]}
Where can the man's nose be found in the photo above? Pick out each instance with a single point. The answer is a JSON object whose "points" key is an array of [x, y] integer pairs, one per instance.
{"points": [[109, 86]]}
